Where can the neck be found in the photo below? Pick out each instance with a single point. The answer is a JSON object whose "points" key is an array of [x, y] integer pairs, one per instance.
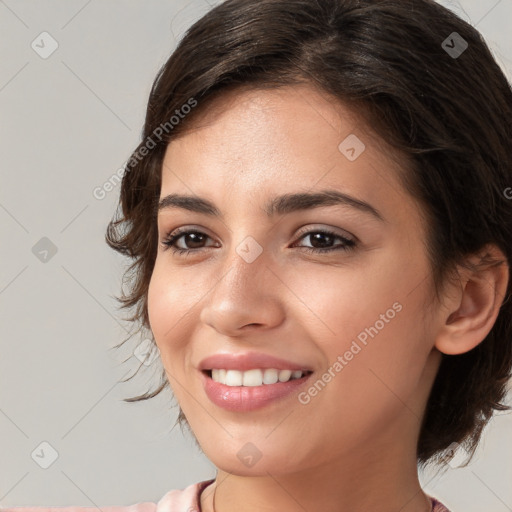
{"points": [[360, 481]]}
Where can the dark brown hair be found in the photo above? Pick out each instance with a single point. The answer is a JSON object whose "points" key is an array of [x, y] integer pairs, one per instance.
{"points": [[449, 115]]}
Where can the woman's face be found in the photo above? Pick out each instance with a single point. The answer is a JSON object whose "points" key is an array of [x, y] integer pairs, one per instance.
{"points": [[353, 315]]}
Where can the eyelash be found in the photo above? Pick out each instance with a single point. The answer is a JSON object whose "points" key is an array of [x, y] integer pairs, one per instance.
{"points": [[348, 244]]}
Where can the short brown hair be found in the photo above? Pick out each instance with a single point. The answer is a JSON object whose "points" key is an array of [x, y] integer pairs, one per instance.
{"points": [[449, 114]]}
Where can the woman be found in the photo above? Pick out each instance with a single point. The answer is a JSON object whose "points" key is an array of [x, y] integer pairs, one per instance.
{"points": [[321, 233]]}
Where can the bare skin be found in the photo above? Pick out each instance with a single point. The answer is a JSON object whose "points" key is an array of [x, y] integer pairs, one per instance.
{"points": [[352, 446]]}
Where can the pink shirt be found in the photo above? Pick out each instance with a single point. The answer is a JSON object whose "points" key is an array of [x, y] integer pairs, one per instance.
{"points": [[185, 500]]}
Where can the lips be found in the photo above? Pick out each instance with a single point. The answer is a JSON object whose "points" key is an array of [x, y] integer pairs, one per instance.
{"points": [[240, 398], [243, 399], [249, 361]]}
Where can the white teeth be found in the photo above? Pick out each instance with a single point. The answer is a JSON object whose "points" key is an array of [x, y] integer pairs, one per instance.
{"points": [[233, 378], [270, 376], [252, 378], [255, 377], [284, 375], [219, 375]]}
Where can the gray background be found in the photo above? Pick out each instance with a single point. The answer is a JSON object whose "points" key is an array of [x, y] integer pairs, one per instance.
{"points": [[69, 122]]}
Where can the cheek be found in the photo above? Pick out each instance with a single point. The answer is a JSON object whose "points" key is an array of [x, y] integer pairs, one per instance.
{"points": [[157, 305], [169, 302], [371, 316], [383, 362], [344, 301]]}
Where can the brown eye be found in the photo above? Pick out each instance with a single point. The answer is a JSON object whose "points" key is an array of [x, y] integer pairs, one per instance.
{"points": [[322, 240], [193, 241]]}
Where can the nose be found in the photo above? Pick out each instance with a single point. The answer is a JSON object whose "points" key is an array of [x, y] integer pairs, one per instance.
{"points": [[248, 295]]}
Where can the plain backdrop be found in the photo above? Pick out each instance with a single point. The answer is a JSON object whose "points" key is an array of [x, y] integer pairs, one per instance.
{"points": [[74, 81]]}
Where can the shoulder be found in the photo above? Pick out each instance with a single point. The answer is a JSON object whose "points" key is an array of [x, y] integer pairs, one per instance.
{"points": [[139, 507], [177, 500], [183, 500], [437, 506]]}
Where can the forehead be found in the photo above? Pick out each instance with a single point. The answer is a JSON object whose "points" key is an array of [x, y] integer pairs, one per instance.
{"points": [[254, 141]]}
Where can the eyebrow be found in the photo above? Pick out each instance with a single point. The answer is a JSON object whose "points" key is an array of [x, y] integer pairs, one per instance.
{"points": [[280, 205]]}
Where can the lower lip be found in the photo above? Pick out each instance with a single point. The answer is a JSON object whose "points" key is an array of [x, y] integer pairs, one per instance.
{"points": [[249, 398]]}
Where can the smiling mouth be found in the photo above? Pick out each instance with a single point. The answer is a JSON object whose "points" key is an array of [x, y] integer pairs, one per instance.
{"points": [[254, 377]]}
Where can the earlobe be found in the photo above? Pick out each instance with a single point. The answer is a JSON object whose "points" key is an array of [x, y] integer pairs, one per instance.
{"points": [[473, 304]]}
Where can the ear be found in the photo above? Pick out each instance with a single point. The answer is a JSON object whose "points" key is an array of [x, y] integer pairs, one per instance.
{"points": [[471, 305]]}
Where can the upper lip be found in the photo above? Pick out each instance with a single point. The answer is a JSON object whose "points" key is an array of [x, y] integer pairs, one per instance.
{"points": [[248, 361]]}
